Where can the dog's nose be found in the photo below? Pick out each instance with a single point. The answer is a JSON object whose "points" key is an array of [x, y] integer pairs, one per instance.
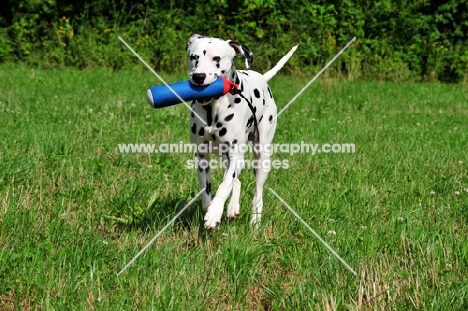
{"points": [[198, 78]]}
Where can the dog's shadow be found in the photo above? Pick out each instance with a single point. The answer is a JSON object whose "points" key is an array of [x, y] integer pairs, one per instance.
{"points": [[161, 210]]}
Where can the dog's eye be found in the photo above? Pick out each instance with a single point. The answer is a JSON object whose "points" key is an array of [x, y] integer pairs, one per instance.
{"points": [[216, 58], [193, 57]]}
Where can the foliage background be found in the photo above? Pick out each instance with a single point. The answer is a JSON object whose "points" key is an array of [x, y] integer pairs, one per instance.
{"points": [[415, 40]]}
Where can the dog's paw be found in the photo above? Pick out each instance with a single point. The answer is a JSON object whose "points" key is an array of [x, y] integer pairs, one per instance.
{"points": [[233, 209], [212, 219]]}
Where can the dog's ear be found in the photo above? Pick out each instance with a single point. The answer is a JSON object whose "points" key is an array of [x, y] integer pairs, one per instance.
{"points": [[194, 37], [244, 51]]}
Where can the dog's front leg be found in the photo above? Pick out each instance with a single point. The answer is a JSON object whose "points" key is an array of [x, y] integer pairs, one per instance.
{"points": [[204, 177], [215, 209]]}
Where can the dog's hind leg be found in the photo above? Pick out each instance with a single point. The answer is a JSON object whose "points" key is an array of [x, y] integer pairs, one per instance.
{"points": [[266, 130], [233, 208], [204, 177], [215, 209]]}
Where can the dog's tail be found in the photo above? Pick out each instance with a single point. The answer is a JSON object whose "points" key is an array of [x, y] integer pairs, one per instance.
{"points": [[272, 72]]}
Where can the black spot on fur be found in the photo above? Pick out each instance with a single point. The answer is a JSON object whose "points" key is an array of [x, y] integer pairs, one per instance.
{"points": [[217, 65], [207, 169], [201, 132], [216, 58], [270, 118], [237, 80], [234, 175], [269, 91], [222, 132], [208, 188], [264, 101], [194, 128], [209, 117], [260, 120], [219, 124], [213, 136], [229, 117], [234, 141], [204, 52], [216, 119], [257, 93], [237, 100], [223, 71]]}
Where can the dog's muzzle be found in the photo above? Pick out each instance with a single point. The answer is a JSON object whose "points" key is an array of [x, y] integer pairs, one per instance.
{"points": [[199, 79]]}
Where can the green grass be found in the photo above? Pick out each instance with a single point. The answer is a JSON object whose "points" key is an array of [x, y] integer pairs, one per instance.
{"points": [[74, 211]]}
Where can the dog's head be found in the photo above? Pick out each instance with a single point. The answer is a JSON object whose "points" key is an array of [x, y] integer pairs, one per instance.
{"points": [[210, 58]]}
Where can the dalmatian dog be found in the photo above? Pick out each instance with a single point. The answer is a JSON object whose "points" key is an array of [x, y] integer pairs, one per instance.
{"points": [[231, 122]]}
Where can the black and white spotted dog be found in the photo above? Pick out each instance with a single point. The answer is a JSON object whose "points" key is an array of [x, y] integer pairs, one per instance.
{"points": [[231, 121]]}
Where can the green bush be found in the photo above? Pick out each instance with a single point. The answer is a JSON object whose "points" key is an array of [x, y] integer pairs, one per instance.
{"points": [[396, 40]]}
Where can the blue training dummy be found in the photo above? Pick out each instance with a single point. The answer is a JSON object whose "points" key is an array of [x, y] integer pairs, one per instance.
{"points": [[161, 96]]}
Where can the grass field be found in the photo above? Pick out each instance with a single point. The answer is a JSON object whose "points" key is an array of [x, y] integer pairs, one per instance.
{"points": [[74, 211]]}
